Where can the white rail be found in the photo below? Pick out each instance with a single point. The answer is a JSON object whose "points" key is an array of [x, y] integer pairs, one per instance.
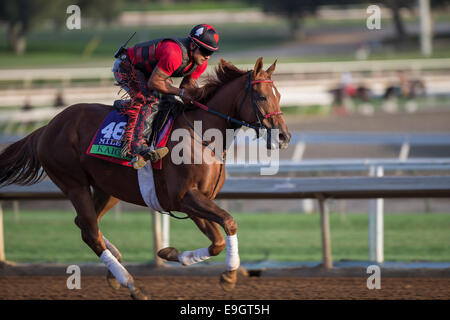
{"points": [[375, 66]]}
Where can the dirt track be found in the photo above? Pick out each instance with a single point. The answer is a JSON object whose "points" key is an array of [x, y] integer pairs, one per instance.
{"points": [[207, 288]]}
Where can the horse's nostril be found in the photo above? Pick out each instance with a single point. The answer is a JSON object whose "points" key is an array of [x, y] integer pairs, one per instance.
{"points": [[284, 138]]}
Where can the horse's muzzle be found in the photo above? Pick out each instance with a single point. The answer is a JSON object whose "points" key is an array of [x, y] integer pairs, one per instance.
{"points": [[284, 139], [280, 141]]}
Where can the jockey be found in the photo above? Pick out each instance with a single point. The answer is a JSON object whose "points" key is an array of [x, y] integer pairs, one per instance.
{"points": [[144, 71]]}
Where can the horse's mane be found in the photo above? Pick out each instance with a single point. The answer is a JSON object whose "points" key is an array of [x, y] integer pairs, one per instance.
{"points": [[225, 72]]}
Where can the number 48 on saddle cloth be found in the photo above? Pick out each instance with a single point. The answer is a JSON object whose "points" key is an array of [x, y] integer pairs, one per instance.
{"points": [[107, 142]]}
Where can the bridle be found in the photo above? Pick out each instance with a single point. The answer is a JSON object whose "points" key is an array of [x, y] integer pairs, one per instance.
{"points": [[259, 115]]}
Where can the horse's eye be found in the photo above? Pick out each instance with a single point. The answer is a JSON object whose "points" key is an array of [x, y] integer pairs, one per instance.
{"points": [[262, 98]]}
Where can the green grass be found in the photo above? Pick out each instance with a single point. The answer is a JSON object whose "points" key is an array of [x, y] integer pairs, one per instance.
{"points": [[188, 6], [53, 237]]}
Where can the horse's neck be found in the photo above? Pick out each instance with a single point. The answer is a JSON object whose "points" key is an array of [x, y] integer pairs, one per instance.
{"points": [[224, 101]]}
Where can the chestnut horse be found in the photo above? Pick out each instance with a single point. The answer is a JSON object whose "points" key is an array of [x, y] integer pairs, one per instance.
{"points": [[59, 148]]}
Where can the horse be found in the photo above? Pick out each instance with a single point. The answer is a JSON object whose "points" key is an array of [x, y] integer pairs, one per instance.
{"points": [[58, 150]]}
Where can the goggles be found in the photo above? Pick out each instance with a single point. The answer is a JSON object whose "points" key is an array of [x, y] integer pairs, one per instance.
{"points": [[204, 52]]}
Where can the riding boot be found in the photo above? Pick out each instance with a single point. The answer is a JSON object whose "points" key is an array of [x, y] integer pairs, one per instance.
{"points": [[139, 148]]}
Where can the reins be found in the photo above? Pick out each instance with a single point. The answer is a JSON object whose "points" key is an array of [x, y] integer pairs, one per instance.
{"points": [[224, 116]]}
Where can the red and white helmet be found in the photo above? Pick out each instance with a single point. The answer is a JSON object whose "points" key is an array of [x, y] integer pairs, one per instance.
{"points": [[205, 36]]}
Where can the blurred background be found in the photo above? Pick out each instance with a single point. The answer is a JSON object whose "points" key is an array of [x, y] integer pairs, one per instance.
{"points": [[341, 74]]}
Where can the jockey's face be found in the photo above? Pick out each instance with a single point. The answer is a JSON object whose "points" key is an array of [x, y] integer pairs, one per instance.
{"points": [[199, 55]]}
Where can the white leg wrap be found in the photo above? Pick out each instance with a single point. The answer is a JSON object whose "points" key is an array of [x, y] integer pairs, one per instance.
{"points": [[112, 248], [116, 268], [187, 258], [232, 260]]}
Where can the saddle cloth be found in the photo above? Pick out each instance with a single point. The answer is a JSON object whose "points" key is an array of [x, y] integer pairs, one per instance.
{"points": [[107, 142]]}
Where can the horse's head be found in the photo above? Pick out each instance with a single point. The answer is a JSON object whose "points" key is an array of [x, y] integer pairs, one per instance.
{"points": [[260, 104]]}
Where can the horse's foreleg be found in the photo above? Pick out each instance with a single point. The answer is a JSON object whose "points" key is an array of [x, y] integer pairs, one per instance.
{"points": [[197, 204], [212, 231]]}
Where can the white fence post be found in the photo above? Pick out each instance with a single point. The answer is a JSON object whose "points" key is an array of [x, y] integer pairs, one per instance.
{"points": [[404, 151], [157, 237], [165, 230], [299, 152], [376, 223], [327, 260], [426, 28], [307, 204]]}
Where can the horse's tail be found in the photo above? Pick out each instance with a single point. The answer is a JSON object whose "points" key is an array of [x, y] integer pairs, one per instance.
{"points": [[19, 162]]}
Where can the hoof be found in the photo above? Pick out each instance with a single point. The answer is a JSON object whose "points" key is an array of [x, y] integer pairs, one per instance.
{"points": [[242, 272], [112, 281], [228, 280], [138, 294], [169, 254]]}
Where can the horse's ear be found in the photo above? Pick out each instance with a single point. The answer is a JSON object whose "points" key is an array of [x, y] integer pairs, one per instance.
{"points": [[272, 68], [258, 66]]}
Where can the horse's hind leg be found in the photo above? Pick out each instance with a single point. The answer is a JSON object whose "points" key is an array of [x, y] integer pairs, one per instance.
{"points": [[103, 202], [212, 231], [86, 220]]}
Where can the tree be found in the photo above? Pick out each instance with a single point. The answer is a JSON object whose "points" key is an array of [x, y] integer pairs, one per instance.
{"points": [[294, 10], [22, 16], [396, 5]]}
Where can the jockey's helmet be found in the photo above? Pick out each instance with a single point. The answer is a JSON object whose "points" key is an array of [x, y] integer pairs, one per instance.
{"points": [[205, 37]]}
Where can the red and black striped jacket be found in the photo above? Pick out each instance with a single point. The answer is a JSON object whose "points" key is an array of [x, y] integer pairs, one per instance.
{"points": [[143, 56]]}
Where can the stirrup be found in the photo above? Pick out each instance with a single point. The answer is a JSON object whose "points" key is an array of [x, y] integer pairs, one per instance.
{"points": [[138, 162], [157, 154]]}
